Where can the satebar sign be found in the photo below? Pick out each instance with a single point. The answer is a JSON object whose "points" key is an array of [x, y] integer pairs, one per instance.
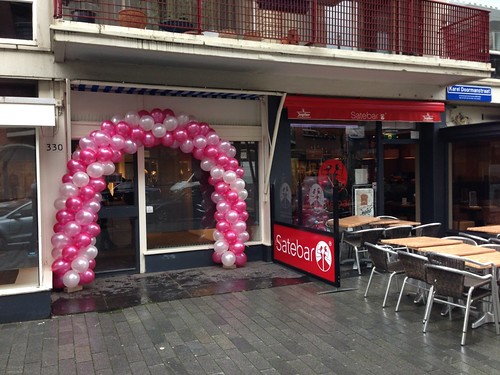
{"points": [[305, 250]]}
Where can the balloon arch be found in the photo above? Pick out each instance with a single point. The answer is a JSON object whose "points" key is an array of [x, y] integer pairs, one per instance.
{"points": [[78, 203]]}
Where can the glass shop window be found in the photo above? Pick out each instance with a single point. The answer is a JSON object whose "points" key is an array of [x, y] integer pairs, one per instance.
{"points": [[19, 250], [179, 207], [16, 19], [325, 154], [475, 183]]}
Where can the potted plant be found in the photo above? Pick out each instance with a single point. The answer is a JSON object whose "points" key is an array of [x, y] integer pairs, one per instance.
{"points": [[174, 19], [82, 10], [132, 14]]}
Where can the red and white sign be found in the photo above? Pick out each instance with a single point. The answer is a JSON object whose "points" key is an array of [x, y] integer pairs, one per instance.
{"points": [[305, 250]]}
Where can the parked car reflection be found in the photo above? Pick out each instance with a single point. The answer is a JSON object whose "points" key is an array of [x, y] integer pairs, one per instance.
{"points": [[16, 223]]}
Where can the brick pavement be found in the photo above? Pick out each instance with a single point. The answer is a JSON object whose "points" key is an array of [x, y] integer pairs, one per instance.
{"points": [[282, 330]]}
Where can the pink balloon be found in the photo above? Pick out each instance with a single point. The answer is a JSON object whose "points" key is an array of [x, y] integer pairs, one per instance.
{"points": [[180, 135], [204, 128], [222, 160], [88, 156], [241, 259], [149, 140], [211, 152], [60, 240], [223, 226], [87, 276], [86, 192], [221, 187], [101, 138], [232, 164], [117, 156], [122, 129], [60, 266], [143, 112], [84, 217], [218, 216], [74, 204], [232, 196], [64, 216], [82, 239], [104, 153], [217, 257], [74, 166], [93, 229], [158, 115], [240, 206], [237, 247], [69, 253], [244, 216], [98, 184], [193, 129], [92, 264], [108, 127], [231, 236], [239, 172], [198, 153], [67, 178], [167, 140], [57, 282], [57, 227], [137, 134]]}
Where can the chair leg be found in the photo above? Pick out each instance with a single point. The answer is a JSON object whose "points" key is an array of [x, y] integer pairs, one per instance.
{"points": [[387, 289], [428, 308], [466, 318], [357, 260], [401, 293], [369, 281]]}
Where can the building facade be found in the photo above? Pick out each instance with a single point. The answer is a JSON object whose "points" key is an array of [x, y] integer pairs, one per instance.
{"points": [[296, 87]]}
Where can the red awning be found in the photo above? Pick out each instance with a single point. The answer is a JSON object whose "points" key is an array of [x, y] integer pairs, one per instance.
{"points": [[320, 108]]}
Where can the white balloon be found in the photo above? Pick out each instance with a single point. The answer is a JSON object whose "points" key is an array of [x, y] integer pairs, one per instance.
{"points": [[130, 147], [71, 279], [95, 170], [68, 189], [243, 236], [80, 264], [84, 217], [132, 118], [220, 246], [224, 147], [92, 206], [159, 130], [117, 142], [116, 119], [170, 123], [101, 138], [183, 119], [229, 176], [223, 206], [231, 152], [81, 179], [218, 235], [146, 122], [216, 197], [200, 141], [243, 194], [207, 164], [217, 172], [239, 227], [108, 167], [60, 203], [187, 146], [87, 142], [213, 139], [90, 252], [228, 258], [238, 184]]}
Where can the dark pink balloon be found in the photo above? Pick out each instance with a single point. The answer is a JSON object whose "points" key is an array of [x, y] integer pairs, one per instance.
{"points": [[117, 156], [167, 140], [64, 216], [168, 112], [58, 227], [221, 187], [211, 151], [232, 164], [222, 226], [149, 140], [198, 153], [232, 196], [180, 135], [240, 206], [86, 192], [87, 276], [123, 129], [193, 129], [222, 160], [92, 264], [57, 282], [217, 257], [137, 134], [237, 247], [239, 172], [218, 216], [60, 266], [88, 156], [241, 260], [74, 166], [204, 128], [108, 127], [244, 216], [82, 239], [231, 236], [143, 112], [158, 115], [104, 153], [74, 204], [69, 252], [98, 184], [67, 178], [93, 229]]}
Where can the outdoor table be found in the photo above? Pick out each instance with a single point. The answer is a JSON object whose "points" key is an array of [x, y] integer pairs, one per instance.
{"points": [[461, 249], [351, 222], [490, 229], [393, 222], [416, 243]]}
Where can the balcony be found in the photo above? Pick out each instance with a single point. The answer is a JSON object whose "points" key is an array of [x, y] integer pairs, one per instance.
{"points": [[338, 37]]}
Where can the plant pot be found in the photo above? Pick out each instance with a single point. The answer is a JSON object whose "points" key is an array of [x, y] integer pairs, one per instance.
{"points": [[83, 16], [176, 26], [132, 18]]}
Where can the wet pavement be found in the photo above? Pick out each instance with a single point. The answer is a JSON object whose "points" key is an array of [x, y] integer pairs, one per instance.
{"points": [[108, 293]]}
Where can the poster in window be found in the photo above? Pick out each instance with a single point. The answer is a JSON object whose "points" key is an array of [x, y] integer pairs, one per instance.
{"points": [[363, 202]]}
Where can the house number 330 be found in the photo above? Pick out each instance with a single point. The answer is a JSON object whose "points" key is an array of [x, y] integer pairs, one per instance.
{"points": [[54, 147]]}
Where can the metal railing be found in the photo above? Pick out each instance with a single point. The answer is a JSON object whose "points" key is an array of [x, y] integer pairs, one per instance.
{"points": [[409, 27]]}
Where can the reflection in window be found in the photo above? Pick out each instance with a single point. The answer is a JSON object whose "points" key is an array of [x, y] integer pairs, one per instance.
{"points": [[475, 183], [16, 20], [180, 211], [18, 205]]}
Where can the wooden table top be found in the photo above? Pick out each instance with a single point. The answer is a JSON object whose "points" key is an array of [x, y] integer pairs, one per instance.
{"points": [[419, 242], [484, 258], [490, 229], [355, 221], [393, 222], [461, 249]]}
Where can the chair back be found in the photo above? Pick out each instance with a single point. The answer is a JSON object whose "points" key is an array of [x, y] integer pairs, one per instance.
{"points": [[387, 217], [494, 246], [466, 240], [447, 281], [371, 235], [398, 231], [447, 260], [430, 229], [478, 239], [413, 264], [379, 255]]}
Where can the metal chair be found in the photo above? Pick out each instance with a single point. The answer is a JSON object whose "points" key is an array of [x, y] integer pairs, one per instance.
{"points": [[397, 231], [429, 229], [357, 240], [413, 265], [387, 217], [495, 246], [478, 239], [380, 256], [466, 240], [448, 283]]}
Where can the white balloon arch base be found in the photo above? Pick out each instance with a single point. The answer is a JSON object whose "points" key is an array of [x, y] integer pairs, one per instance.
{"points": [[79, 199]]}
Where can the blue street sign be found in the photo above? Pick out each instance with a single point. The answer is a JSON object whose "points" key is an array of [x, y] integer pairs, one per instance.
{"points": [[469, 93]]}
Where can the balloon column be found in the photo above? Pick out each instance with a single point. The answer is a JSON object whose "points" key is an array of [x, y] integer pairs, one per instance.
{"points": [[78, 203]]}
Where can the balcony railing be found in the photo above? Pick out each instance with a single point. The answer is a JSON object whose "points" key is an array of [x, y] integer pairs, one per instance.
{"points": [[411, 27]]}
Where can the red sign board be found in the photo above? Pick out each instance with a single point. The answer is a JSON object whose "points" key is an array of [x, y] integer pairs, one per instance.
{"points": [[308, 251]]}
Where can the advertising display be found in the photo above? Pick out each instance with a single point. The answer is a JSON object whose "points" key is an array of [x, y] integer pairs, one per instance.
{"points": [[307, 250]]}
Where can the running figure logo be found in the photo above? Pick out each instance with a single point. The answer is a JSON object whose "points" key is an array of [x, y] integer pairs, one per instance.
{"points": [[323, 256]]}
